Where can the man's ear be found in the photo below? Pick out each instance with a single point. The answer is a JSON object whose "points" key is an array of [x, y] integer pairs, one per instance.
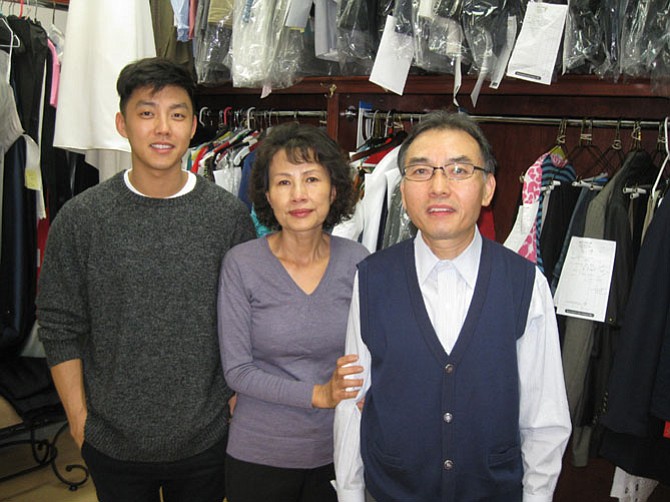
{"points": [[194, 126], [489, 189], [121, 124]]}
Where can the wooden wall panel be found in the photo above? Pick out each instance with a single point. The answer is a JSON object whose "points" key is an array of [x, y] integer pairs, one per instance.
{"points": [[516, 146]]}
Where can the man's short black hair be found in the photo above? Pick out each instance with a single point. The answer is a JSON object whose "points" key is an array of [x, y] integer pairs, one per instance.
{"points": [[155, 73], [442, 120]]}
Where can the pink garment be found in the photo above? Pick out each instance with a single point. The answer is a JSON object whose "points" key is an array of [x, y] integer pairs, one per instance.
{"points": [[192, 9], [55, 74], [532, 182]]}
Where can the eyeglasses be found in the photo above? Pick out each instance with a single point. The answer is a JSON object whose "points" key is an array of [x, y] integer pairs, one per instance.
{"points": [[457, 171]]}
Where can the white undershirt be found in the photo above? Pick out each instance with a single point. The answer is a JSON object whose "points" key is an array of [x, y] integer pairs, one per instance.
{"points": [[188, 186]]}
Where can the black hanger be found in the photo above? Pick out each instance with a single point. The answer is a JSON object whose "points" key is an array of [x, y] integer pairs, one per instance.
{"points": [[612, 157], [395, 140], [584, 146]]}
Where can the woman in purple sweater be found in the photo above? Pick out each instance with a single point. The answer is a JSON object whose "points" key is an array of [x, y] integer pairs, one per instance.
{"points": [[283, 305]]}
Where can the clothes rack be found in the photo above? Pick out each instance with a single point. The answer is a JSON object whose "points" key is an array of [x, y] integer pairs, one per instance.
{"points": [[51, 4], [548, 121], [253, 115], [205, 111]]}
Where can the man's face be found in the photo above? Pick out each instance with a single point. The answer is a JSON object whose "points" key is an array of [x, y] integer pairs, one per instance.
{"points": [[446, 211], [159, 126]]}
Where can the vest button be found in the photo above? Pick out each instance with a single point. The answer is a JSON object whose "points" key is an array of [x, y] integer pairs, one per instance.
{"points": [[448, 465], [449, 368], [448, 417]]}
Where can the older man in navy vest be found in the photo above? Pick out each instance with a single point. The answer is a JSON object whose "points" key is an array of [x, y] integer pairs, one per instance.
{"points": [[456, 335]]}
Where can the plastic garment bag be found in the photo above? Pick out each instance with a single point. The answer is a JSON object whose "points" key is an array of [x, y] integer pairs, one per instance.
{"points": [[265, 53], [214, 25], [645, 41], [584, 40], [448, 8], [485, 28], [358, 35], [438, 41], [288, 49]]}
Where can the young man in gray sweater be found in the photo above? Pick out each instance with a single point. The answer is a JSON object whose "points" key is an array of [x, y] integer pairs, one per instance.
{"points": [[127, 305]]}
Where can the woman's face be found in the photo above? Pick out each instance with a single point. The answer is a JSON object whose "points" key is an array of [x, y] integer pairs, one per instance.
{"points": [[300, 194]]}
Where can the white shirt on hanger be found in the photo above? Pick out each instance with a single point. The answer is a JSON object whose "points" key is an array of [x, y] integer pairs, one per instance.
{"points": [[102, 38]]}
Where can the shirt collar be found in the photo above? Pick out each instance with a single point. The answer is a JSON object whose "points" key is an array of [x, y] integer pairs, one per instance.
{"points": [[467, 263]]}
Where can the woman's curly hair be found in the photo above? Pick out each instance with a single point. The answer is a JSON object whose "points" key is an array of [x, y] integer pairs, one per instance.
{"points": [[302, 143]]}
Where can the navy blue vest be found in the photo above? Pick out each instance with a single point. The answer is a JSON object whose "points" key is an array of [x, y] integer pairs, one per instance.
{"points": [[440, 427]]}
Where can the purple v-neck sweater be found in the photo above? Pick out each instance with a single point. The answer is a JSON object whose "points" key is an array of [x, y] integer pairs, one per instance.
{"points": [[278, 342]]}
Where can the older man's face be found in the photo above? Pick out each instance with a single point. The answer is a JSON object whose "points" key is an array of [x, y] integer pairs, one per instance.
{"points": [[446, 211]]}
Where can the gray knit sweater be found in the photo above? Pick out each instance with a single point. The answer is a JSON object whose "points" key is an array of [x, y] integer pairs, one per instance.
{"points": [[129, 286]]}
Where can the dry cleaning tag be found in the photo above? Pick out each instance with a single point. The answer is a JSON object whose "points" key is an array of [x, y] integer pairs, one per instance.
{"points": [[393, 60]]}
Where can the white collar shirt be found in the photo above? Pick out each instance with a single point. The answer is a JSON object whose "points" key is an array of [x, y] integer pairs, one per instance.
{"points": [[447, 287], [544, 418]]}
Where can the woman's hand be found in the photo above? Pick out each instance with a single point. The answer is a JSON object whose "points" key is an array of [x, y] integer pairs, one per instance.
{"points": [[231, 403], [339, 387]]}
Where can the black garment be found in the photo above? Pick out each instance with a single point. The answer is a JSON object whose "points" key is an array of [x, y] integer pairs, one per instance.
{"points": [[559, 213], [25, 382], [249, 482], [638, 398], [637, 169], [200, 478], [28, 71], [83, 175], [18, 269], [53, 162]]}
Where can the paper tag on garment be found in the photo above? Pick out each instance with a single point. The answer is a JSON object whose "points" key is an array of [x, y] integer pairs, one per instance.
{"points": [[426, 8], [33, 179], [584, 286], [536, 49], [666, 430], [393, 60], [505, 53], [298, 14]]}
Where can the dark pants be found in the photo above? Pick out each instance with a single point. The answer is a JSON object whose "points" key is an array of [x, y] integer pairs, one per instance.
{"points": [[248, 482], [200, 478]]}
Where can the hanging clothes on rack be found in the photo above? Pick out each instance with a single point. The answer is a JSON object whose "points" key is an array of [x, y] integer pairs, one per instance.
{"points": [[637, 399], [522, 238], [11, 128], [92, 60], [28, 71]]}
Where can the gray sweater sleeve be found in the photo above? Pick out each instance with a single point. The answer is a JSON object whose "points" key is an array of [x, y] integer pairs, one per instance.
{"points": [[61, 301]]}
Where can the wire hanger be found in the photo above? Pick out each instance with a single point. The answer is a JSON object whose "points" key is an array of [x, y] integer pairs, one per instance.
{"points": [[586, 144], [654, 193], [659, 151], [14, 40]]}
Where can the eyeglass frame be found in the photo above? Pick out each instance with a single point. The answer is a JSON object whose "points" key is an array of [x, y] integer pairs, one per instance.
{"points": [[444, 170]]}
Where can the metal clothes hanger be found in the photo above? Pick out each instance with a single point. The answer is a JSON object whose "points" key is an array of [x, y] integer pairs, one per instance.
{"points": [[14, 41], [661, 171]]}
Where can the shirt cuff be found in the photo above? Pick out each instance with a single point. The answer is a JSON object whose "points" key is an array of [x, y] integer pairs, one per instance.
{"points": [[351, 495], [530, 497]]}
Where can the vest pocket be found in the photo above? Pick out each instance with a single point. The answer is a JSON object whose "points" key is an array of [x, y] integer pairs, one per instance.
{"points": [[506, 471], [510, 455], [384, 458]]}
